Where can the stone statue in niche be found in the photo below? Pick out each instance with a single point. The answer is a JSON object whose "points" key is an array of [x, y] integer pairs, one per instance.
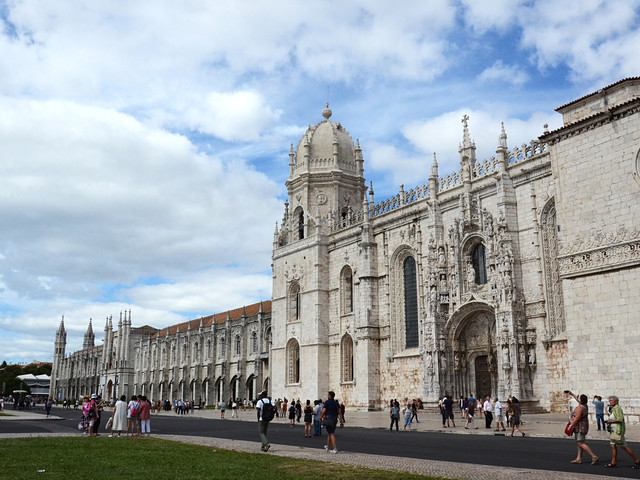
{"points": [[443, 362], [532, 356], [456, 361], [521, 355], [429, 363], [506, 360], [442, 259], [471, 275]]}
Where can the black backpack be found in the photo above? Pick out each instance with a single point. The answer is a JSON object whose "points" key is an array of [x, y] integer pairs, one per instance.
{"points": [[268, 411]]}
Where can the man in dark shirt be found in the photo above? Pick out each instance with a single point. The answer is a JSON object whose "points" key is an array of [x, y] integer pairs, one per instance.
{"points": [[472, 409], [330, 416], [448, 410]]}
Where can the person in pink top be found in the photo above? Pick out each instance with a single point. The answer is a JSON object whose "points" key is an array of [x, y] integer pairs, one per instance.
{"points": [[145, 416]]}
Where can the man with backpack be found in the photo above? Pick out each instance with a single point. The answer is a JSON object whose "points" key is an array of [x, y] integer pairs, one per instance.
{"points": [[266, 411]]}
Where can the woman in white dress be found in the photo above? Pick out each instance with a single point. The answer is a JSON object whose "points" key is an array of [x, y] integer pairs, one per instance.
{"points": [[119, 416]]}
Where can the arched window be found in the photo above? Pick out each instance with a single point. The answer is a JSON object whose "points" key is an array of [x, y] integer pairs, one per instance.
{"points": [[346, 358], [196, 352], [298, 217], [238, 345], [223, 346], [346, 290], [478, 260], [410, 303], [254, 342], [553, 282], [293, 361], [294, 302], [184, 352]]}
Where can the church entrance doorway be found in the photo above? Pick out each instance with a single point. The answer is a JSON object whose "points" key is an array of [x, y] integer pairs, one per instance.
{"points": [[474, 347], [483, 377]]}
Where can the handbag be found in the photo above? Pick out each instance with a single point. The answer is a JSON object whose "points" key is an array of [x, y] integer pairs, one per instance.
{"points": [[109, 423], [569, 429]]}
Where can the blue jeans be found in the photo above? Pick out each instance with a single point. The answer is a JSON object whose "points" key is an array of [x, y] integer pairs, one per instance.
{"points": [[407, 422], [600, 418], [317, 428]]}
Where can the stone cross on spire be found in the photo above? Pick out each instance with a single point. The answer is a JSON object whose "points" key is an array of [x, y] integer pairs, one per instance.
{"points": [[466, 139]]}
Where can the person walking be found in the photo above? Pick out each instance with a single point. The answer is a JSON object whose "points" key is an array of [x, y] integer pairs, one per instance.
{"points": [[292, 414], [407, 416], [599, 406], [616, 434], [132, 415], [488, 412], [317, 418], [513, 412], [498, 410], [394, 414], [119, 415], [471, 410], [580, 423], [298, 410], [145, 417], [330, 417], [48, 405], [447, 402], [308, 419], [266, 411]]}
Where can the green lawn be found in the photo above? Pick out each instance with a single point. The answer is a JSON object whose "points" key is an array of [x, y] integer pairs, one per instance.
{"points": [[69, 458]]}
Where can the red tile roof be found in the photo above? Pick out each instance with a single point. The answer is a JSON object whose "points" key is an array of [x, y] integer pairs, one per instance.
{"points": [[218, 318]]}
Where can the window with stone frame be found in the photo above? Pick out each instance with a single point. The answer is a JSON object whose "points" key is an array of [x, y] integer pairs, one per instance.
{"points": [[294, 302], [293, 361], [196, 352], [254, 342], [479, 262], [238, 345], [298, 216], [208, 348], [223, 346], [346, 290], [553, 283], [346, 359], [411, 338]]}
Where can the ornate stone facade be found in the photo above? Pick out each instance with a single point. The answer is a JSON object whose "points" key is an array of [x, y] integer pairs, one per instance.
{"points": [[210, 359], [513, 275]]}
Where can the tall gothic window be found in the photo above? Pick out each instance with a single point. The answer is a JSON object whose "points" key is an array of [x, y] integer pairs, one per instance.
{"points": [[293, 361], [478, 259], [410, 303], [553, 283], [254, 342], [346, 358], [223, 346], [298, 216], [238, 345], [294, 302], [346, 290], [208, 348]]}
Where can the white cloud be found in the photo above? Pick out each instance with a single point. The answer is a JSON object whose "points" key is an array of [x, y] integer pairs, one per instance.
{"points": [[492, 14], [94, 196], [499, 72], [236, 116], [597, 39]]}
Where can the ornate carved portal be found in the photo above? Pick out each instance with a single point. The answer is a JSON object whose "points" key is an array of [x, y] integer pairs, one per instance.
{"points": [[474, 350]]}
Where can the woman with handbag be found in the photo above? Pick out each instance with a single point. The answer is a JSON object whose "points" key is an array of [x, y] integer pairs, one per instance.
{"points": [[616, 428], [580, 423]]}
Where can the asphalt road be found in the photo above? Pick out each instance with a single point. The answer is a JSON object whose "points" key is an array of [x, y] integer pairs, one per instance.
{"points": [[528, 453]]}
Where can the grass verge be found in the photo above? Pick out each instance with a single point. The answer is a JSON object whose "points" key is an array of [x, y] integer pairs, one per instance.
{"points": [[71, 458]]}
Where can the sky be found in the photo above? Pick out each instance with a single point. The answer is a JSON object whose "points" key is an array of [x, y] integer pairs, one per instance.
{"points": [[144, 144]]}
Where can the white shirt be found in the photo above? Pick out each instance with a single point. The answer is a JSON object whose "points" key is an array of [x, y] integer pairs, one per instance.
{"points": [[487, 406], [260, 403], [498, 408]]}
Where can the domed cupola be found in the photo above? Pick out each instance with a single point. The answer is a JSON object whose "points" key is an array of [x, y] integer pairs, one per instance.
{"points": [[326, 147]]}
